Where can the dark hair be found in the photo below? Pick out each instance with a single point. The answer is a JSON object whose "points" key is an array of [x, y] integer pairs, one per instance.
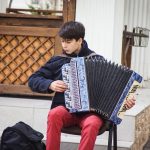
{"points": [[72, 30]]}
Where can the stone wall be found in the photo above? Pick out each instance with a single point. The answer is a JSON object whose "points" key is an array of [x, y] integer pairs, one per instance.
{"points": [[142, 129]]}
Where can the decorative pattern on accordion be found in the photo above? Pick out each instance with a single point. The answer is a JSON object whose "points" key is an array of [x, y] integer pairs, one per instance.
{"points": [[98, 86]]}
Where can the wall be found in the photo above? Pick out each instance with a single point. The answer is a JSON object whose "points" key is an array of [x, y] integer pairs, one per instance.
{"points": [[103, 21], [137, 14]]}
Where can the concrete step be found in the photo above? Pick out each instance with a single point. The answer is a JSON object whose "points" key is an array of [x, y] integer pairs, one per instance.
{"points": [[133, 132]]}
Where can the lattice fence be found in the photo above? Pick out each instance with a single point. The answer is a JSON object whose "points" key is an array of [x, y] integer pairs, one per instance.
{"points": [[26, 43], [22, 55], [23, 50]]}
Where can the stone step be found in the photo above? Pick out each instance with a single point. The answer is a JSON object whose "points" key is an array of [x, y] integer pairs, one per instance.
{"points": [[132, 132]]}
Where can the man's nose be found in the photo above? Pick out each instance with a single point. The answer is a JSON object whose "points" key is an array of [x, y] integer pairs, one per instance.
{"points": [[64, 45]]}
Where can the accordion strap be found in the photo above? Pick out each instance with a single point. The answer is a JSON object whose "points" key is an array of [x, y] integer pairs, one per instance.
{"points": [[90, 55]]}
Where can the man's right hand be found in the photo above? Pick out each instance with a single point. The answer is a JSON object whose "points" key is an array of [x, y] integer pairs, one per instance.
{"points": [[58, 86]]}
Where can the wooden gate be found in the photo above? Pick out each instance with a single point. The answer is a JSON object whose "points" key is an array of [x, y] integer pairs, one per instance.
{"points": [[26, 43]]}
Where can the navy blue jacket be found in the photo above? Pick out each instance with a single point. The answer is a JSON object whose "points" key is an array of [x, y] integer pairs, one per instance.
{"points": [[51, 71]]}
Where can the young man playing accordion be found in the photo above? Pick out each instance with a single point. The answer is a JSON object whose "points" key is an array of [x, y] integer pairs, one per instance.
{"points": [[48, 79]]}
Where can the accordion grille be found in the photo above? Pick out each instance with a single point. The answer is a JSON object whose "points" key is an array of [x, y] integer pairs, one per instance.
{"points": [[106, 82]]}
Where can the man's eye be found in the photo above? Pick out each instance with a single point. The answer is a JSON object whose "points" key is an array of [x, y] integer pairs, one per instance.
{"points": [[68, 41]]}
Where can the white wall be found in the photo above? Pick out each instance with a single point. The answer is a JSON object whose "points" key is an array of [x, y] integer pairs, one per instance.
{"points": [[118, 29], [137, 13], [104, 23]]}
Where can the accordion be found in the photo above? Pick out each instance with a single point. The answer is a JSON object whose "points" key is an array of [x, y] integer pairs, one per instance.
{"points": [[98, 86]]}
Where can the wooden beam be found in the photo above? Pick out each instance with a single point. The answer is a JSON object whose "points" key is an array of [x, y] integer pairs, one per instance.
{"points": [[20, 90], [30, 31]]}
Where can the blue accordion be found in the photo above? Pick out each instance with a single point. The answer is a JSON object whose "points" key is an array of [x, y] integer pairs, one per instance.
{"points": [[98, 86]]}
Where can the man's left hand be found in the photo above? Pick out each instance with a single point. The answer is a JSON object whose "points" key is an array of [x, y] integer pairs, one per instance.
{"points": [[130, 102]]}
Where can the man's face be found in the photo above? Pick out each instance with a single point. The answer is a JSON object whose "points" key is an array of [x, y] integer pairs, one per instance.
{"points": [[71, 45]]}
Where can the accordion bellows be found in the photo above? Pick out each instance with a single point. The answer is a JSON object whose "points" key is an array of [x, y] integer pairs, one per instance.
{"points": [[98, 86]]}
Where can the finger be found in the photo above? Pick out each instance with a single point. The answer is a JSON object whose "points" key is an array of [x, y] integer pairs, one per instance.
{"points": [[132, 101], [64, 86], [60, 82], [60, 89], [128, 105], [131, 97], [128, 102]]}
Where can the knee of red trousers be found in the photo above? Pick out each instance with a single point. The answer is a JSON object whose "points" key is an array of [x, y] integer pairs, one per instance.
{"points": [[92, 125], [56, 113]]}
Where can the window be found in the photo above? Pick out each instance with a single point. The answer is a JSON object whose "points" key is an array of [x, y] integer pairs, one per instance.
{"points": [[36, 4]]}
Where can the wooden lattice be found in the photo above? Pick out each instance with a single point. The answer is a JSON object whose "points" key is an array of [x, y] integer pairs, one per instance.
{"points": [[26, 43], [22, 55], [23, 50]]}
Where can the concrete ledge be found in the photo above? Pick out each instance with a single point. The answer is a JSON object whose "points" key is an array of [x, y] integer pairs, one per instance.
{"points": [[133, 132], [33, 112]]}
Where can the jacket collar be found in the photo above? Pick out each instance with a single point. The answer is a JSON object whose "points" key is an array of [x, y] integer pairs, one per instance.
{"points": [[85, 51]]}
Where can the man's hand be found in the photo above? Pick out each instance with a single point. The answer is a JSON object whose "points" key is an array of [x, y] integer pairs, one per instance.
{"points": [[130, 102], [58, 86]]}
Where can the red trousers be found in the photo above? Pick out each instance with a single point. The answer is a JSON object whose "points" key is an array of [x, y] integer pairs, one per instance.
{"points": [[59, 117]]}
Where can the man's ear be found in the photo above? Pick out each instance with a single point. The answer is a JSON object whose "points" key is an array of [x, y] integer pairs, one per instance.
{"points": [[80, 40]]}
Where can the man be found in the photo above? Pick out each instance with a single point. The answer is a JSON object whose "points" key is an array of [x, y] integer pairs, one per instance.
{"points": [[49, 79]]}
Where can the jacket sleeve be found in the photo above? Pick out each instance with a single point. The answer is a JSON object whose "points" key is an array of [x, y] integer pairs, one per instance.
{"points": [[41, 79]]}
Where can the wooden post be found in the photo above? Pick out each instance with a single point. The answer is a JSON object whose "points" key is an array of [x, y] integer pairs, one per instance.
{"points": [[126, 48], [69, 7]]}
